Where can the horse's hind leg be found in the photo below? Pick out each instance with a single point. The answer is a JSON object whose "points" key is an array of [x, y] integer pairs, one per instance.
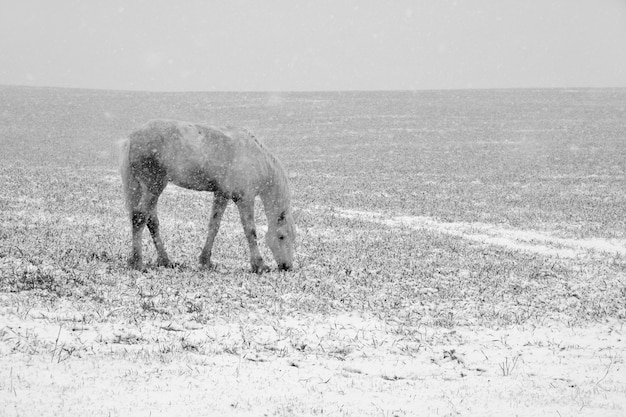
{"points": [[149, 206], [144, 213], [153, 227], [137, 221], [219, 205], [246, 212]]}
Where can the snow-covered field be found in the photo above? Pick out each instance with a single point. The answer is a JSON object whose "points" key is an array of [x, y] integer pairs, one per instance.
{"points": [[306, 365], [459, 253]]}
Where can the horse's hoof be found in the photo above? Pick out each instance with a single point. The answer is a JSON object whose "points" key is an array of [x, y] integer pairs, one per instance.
{"points": [[207, 266], [285, 267], [167, 264], [135, 264], [260, 269], [205, 261]]}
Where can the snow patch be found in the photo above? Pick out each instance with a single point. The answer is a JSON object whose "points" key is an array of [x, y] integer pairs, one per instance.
{"points": [[521, 240]]}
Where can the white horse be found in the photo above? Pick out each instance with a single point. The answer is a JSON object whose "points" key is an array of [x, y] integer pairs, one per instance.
{"points": [[229, 162]]}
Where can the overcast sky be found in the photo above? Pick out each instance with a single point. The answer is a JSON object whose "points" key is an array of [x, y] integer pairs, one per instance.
{"points": [[287, 45]]}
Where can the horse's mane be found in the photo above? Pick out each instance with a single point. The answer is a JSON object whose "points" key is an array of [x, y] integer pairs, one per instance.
{"points": [[277, 172]]}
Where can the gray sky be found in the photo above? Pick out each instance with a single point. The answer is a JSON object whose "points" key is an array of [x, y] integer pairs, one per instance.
{"points": [[286, 45]]}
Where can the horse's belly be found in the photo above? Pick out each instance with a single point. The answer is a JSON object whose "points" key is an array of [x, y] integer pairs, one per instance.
{"points": [[196, 186], [195, 179]]}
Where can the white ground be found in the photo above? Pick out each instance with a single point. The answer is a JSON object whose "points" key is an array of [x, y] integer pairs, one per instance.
{"points": [[51, 363]]}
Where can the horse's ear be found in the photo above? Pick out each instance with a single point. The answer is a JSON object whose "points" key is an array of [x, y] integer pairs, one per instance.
{"points": [[296, 214]]}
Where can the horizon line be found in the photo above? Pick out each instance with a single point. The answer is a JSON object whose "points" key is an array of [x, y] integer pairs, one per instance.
{"points": [[395, 90]]}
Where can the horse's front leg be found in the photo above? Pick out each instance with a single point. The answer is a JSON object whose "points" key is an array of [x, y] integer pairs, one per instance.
{"points": [[246, 212], [219, 205]]}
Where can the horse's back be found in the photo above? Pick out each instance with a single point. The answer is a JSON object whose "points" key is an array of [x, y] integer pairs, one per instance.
{"points": [[162, 135], [198, 156]]}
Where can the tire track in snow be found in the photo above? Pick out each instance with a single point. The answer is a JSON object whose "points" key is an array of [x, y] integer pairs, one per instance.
{"points": [[491, 234]]}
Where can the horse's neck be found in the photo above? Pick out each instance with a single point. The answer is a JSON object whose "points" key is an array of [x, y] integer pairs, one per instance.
{"points": [[276, 199]]}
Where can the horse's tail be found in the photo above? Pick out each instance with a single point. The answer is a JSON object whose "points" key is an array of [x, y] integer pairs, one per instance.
{"points": [[130, 185]]}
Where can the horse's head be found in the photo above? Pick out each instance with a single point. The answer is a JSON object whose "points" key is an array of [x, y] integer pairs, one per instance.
{"points": [[281, 238]]}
